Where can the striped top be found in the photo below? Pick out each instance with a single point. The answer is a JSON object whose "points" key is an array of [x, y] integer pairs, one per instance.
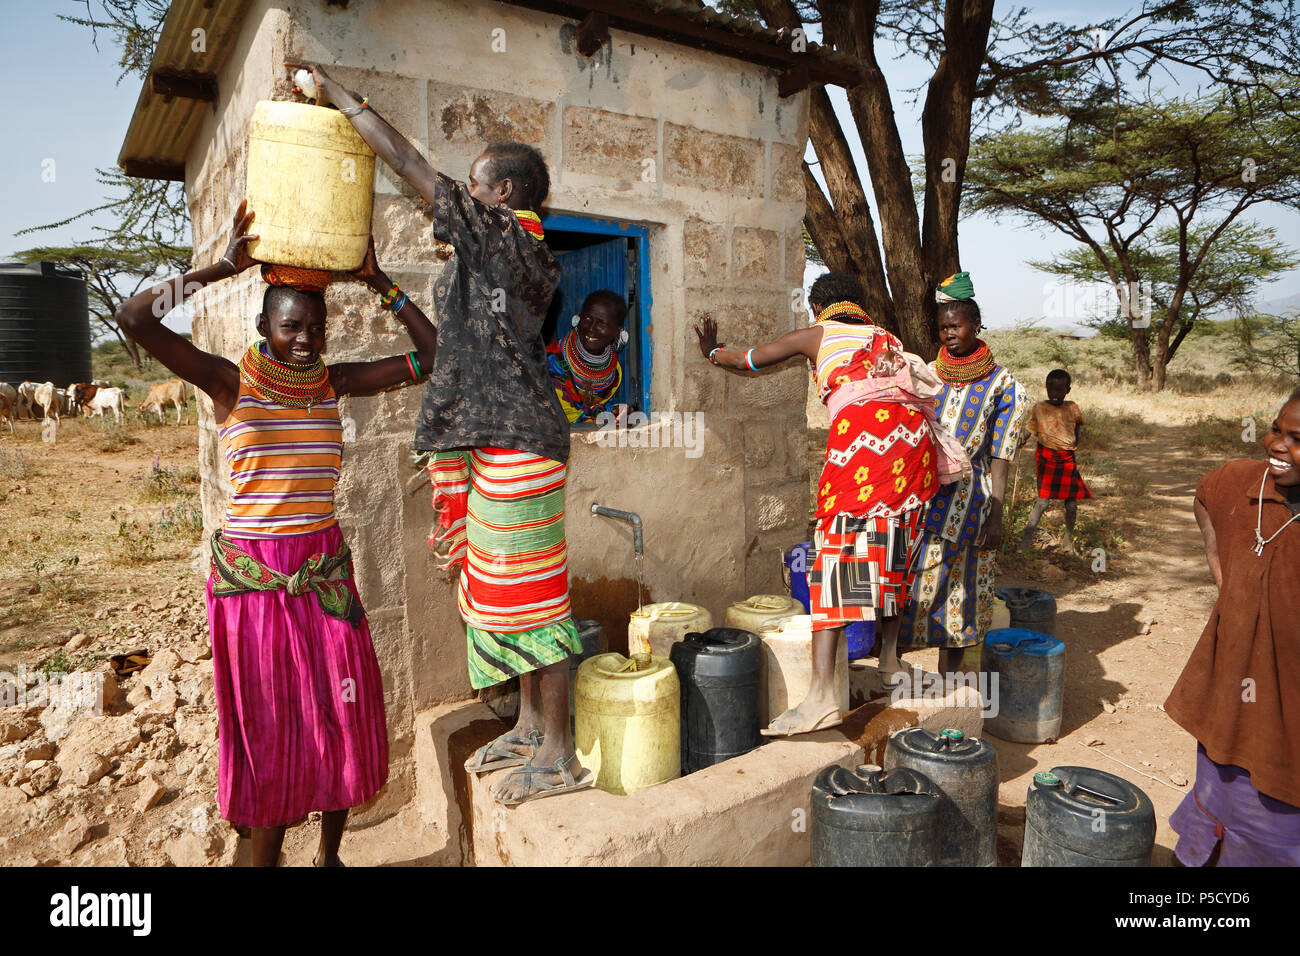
{"points": [[840, 341], [284, 464]]}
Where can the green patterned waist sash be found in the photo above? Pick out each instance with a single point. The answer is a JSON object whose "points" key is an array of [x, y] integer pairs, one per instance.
{"points": [[235, 571]]}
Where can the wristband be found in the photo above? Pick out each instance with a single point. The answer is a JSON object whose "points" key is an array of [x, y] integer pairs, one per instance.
{"points": [[413, 360], [750, 362], [354, 110], [400, 301], [387, 299], [715, 351]]}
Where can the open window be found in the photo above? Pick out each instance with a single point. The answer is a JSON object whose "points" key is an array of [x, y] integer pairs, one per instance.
{"points": [[605, 254]]}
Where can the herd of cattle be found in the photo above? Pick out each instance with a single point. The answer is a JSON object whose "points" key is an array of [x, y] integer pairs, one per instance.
{"points": [[42, 401]]}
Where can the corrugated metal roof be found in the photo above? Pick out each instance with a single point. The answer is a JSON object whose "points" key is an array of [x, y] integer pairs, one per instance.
{"points": [[163, 126]]}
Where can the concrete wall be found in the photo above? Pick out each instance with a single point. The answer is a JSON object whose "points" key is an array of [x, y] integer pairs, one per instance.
{"points": [[698, 147]]}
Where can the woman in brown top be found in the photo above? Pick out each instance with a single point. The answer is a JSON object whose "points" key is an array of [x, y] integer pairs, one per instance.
{"points": [[1239, 694]]}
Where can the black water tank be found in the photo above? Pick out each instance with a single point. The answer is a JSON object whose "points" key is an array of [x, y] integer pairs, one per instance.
{"points": [[44, 324], [1078, 816], [721, 677], [870, 817], [965, 769]]}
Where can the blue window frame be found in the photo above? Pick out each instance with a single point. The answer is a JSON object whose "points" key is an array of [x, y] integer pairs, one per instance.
{"points": [[624, 269]]}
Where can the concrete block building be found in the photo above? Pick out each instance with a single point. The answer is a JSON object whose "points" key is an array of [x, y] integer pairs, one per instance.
{"points": [[675, 137]]}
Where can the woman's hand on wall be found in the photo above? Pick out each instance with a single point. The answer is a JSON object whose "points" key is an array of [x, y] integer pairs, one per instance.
{"points": [[707, 333]]}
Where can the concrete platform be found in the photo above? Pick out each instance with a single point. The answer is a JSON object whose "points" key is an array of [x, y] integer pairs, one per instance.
{"points": [[752, 810]]}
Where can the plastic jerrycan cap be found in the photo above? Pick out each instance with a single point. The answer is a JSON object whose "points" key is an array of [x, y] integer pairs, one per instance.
{"points": [[950, 737], [1045, 778]]}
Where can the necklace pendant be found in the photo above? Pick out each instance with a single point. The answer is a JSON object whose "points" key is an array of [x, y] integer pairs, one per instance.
{"points": [[1259, 544]]}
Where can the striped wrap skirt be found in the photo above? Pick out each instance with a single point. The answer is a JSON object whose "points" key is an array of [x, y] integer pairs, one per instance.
{"points": [[501, 524]]}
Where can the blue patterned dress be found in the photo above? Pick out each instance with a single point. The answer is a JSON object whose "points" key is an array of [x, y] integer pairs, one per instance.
{"points": [[952, 593]]}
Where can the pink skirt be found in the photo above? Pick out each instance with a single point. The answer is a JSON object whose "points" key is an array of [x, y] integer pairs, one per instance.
{"points": [[300, 700]]}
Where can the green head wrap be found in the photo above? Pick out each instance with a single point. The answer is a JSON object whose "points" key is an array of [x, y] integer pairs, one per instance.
{"points": [[955, 287]]}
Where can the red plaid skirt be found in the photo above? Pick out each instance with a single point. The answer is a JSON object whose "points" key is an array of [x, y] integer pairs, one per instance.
{"points": [[860, 569], [1058, 475]]}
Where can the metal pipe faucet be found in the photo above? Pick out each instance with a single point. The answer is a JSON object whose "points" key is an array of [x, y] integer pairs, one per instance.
{"points": [[630, 517]]}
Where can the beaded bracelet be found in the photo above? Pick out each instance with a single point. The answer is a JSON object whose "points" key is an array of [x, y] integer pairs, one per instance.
{"points": [[387, 299], [400, 301], [750, 362], [712, 360]]}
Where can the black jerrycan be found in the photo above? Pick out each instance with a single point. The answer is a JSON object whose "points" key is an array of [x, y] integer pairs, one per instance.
{"points": [[720, 672], [965, 770], [1078, 816], [874, 817]]}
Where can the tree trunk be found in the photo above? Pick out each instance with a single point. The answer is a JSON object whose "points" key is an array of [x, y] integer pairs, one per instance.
{"points": [[1141, 357], [851, 26], [945, 126]]}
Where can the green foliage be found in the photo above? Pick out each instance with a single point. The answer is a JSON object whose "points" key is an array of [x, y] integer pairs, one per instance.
{"points": [[1268, 343]]}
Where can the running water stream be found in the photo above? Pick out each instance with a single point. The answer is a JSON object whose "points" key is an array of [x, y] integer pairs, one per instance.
{"points": [[640, 578]]}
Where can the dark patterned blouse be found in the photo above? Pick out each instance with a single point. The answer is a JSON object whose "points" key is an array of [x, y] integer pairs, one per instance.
{"points": [[489, 386]]}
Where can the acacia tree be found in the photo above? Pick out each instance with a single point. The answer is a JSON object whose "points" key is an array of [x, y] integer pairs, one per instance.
{"points": [[1269, 343], [1242, 258], [1154, 193], [983, 72]]}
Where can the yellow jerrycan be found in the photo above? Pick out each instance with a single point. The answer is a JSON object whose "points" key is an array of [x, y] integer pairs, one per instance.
{"points": [[787, 666], [655, 628], [755, 613], [627, 721], [311, 183]]}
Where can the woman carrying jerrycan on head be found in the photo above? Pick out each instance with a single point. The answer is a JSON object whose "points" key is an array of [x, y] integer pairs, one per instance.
{"points": [[496, 441], [300, 702]]}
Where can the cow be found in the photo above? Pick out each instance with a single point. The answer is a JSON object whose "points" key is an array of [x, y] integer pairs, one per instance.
{"points": [[111, 398], [26, 400], [47, 396], [7, 405], [81, 393], [162, 395]]}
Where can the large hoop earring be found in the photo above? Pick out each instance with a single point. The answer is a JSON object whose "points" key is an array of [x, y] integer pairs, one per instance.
{"points": [[574, 321]]}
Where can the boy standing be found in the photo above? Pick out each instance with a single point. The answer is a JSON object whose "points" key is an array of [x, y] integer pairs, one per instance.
{"points": [[1056, 426]]}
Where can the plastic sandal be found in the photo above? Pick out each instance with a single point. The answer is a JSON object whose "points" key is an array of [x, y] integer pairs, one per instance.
{"points": [[478, 761], [828, 720], [570, 784]]}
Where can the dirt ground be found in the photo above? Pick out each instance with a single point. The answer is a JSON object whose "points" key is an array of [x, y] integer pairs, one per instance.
{"points": [[99, 541]]}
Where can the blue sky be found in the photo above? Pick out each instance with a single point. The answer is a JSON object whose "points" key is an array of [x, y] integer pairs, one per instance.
{"points": [[64, 105]]}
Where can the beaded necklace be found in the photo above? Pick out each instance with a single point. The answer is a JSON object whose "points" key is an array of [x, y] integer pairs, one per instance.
{"points": [[962, 370], [531, 222], [595, 373], [836, 309], [295, 387]]}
